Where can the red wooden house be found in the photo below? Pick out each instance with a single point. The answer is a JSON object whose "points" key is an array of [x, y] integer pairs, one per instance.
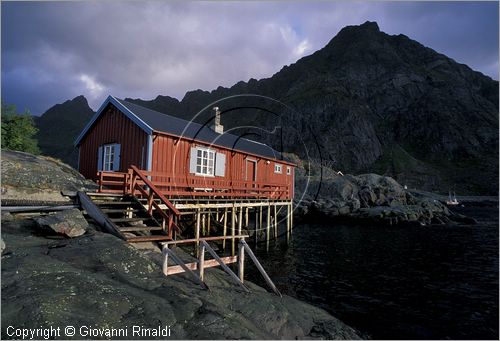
{"points": [[182, 158]]}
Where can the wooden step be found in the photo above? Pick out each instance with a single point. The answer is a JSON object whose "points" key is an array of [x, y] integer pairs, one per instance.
{"points": [[109, 203], [139, 228], [126, 220], [139, 239], [117, 210]]}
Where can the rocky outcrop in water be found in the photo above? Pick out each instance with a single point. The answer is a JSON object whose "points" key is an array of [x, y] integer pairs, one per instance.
{"points": [[372, 198]]}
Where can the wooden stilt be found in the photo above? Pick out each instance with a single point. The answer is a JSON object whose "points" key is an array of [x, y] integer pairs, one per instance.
{"points": [[240, 220], [208, 223], [268, 227], [241, 262], [256, 236], [233, 228], [288, 212], [224, 229], [203, 226], [275, 222], [246, 217], [201, 262], [197, 232]]}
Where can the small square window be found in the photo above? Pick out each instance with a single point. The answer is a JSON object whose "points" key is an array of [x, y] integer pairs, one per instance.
{"points": [[277, 168], [288, 170]]}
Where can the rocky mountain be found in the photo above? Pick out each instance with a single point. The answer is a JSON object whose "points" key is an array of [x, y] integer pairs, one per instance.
{"points": [[60, 125], [369, 102]]}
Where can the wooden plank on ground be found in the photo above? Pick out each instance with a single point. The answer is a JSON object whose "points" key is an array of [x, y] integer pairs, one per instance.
{"points": [[209, 263]]}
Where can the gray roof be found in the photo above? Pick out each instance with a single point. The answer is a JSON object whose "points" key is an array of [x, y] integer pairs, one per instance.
{"points": [[177, 126], [150, 120]]}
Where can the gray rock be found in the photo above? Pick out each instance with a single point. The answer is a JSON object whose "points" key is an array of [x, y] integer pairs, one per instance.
{"points": [[102, 281], [70, 223], [7, 216]]}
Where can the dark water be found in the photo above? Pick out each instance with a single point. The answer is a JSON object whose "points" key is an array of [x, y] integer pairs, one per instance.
{"points": [[429, 282]]}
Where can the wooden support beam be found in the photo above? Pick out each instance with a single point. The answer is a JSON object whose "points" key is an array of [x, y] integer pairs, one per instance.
{"points": [[260, 268], [201, 262], [197, 232], [224, 229], [268, 227], [260, 218], [241, 262], [224, 266], [177, 260], [208, 223], [240, 220], [288, 212], [256, 236], [203, 224], [213, 238], [233, 229], [207, 263], [275, 223]]}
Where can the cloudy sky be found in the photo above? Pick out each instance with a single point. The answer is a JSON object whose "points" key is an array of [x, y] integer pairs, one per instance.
{"points": [[54, 51]]}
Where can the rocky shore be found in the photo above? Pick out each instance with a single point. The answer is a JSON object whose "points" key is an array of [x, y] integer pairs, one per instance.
{"points": [[370, 198], [99, 282]]}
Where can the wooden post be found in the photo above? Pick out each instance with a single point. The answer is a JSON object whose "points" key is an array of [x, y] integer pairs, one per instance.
{"points": [[260, 268], [275, 223], [256, 236], [241, 262], [246, 218], [268, 227], [288, 212], [201, 262], [197, 232], [260, 217], [203, 231], [224, 266], [291, 216], [233, 228], [224, 229], [165, 260], [208, 223], [240, 220]]}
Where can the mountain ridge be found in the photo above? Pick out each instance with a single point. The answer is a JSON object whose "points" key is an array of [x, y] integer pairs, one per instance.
{"points": [[369, 101]]}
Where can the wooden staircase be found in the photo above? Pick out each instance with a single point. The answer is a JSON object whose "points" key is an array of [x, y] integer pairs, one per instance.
{"points": [[125, 216]]}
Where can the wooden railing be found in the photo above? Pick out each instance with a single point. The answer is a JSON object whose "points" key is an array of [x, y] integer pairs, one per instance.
{"points": [[195, 186], [198, 186], [138, 182]]}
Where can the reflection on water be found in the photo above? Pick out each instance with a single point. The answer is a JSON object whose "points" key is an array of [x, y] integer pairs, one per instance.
{"points": [[420, 282]]}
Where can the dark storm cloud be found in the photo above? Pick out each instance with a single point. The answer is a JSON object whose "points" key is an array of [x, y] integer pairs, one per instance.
{"points": [[53, 51]]}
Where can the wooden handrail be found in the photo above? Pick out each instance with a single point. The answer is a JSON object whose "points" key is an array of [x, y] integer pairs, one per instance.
{"points": [[154, 190]]}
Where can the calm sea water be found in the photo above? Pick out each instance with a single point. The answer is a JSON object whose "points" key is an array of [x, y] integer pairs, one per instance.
{"points": [[430, 282]]}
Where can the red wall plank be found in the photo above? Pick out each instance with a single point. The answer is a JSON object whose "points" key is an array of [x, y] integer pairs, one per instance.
{"points": [[113, 127]]}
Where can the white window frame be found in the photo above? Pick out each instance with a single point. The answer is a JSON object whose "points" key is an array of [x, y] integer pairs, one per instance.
{"points": [[205, 168], [288, 170], [108, 157], [278, 169]]}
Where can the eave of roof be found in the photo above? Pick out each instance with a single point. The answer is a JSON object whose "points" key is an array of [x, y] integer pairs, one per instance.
{"points": [[134, 118]]}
